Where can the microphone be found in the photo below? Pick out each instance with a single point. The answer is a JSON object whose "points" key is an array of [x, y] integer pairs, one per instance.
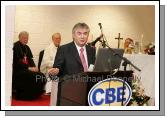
{"points": [[95, 41], [100, 25], [103, 42]]}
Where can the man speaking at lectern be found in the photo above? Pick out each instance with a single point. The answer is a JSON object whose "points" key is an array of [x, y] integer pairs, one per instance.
{"points": [[74, 57]]}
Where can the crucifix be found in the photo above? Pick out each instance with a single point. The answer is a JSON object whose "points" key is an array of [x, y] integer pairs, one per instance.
{"points": [[119, 38]]}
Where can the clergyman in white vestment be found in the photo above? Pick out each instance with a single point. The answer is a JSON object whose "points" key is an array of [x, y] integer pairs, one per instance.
{"points": [[48, 58]]}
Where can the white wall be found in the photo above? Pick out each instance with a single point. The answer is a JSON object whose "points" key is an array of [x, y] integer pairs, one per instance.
{"points": [[42, 21], [9, 35]]}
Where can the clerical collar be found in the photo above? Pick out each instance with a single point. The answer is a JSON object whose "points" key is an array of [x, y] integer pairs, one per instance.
{"points": [[21, 44], [53, 45]]}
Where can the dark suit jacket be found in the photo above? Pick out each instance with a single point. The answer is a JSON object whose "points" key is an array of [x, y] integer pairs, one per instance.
{"points": [[68, 60]]}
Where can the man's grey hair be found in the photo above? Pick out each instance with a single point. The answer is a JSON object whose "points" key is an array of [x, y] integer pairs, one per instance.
{"points": [[80, 25], [23, 33], [57, 33]]}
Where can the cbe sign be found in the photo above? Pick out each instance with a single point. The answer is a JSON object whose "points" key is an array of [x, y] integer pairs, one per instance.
{"points": [[109, 93]]}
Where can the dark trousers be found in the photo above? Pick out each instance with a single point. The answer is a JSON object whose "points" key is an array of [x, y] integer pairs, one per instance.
{"points": [[28, 85]]}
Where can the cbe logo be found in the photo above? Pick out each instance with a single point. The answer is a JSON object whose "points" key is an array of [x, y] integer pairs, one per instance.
{"points": [[109, 93]]}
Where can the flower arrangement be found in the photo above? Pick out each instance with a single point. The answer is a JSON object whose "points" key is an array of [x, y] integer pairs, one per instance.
{"points": [[150, 49], [138, 94]]}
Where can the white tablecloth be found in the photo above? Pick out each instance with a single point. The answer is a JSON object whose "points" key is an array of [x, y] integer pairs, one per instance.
{"points": [[147, 65]]}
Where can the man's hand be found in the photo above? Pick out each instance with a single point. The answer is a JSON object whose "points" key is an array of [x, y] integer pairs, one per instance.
{"points": [[33, 69], [53, 71]]}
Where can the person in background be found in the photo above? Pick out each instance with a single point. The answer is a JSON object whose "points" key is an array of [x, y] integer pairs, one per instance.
{"points": [[27, 82], [48, 58]]}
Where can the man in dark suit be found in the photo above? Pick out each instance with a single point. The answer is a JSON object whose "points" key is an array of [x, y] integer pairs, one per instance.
{"points": [[73, 58]]}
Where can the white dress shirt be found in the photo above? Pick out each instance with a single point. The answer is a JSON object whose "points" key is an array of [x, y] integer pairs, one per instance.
{"points": [[84, 52]]}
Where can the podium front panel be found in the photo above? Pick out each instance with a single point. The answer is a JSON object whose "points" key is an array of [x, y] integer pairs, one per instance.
{"points": [[74, 91]]}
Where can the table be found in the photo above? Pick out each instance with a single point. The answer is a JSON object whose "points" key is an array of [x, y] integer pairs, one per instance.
{"points": [[147, 65]]}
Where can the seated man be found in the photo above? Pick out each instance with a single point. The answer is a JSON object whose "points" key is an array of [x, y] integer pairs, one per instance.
{"points": [[27, 82], [49, 56]]}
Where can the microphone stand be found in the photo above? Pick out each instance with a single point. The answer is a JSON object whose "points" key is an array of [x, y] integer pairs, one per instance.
{"points": [[125, 63], [104, 39], [95, 41]]}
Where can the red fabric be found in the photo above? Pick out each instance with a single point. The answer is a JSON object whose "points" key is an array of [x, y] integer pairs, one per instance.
{"points": [[44, 100], [25, 60]]}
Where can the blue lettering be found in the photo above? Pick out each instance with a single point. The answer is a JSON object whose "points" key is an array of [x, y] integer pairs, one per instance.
{"points": [[119, 94], [94, 96], [110, 94]]}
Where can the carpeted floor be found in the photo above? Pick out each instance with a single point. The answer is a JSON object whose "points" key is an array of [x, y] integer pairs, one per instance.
{"points": [[44, 100]]}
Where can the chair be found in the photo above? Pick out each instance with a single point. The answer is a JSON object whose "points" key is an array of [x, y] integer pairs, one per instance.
{"points": [[40, 58]]}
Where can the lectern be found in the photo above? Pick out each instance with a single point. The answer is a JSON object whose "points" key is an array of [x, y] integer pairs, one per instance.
{"points": [[73, 90]]}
